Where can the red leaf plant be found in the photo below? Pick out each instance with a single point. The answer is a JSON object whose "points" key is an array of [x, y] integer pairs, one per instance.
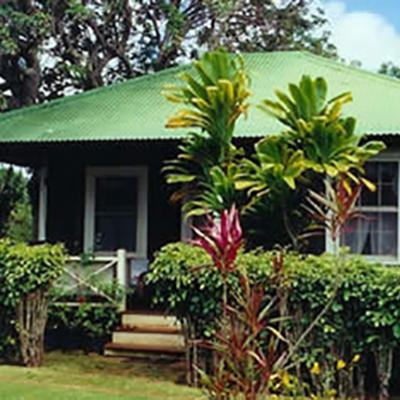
{"points": [[222, 239], [336, 207], [244, 347]]}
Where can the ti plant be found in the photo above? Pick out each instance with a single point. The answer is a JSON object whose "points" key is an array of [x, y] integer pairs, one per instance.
{"points": [[336, 207], [276, 162], [316, 125], [318, 142], [333, 210], [214, 95], [244, 359], [221, 239]]}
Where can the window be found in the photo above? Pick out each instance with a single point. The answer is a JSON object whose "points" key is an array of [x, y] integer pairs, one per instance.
{"points": [[115, 213], [116, 210], [376, 232]]}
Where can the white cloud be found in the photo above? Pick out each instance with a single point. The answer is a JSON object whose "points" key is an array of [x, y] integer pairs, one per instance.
{"points": [[362, 36]]}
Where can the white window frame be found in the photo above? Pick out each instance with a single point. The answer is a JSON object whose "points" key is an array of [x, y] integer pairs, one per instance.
{"points": [[139, 172], [388, 156], [42, 210]]}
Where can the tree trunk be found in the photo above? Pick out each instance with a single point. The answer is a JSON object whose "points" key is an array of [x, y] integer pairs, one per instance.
{"points": [[384, 364], [32, 318]]}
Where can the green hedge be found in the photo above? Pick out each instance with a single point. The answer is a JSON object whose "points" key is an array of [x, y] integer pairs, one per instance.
{"points": [[364, 318]]}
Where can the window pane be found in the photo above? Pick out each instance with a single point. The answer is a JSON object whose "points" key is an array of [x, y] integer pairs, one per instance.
{"points": [[115, 232], [116, 213], [387, 171], [117, 194], [369, 198], [374, 234], [385, 176]]}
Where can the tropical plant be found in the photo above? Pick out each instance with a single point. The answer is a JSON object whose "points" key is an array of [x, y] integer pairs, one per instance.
{"points": [[316, 125], [221, 239], [318, 142], [244, 358], [333, 209], [277, 163], [218, 194], [215, 95]]}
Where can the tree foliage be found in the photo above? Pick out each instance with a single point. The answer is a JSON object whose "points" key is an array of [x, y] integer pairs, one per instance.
{"points": [[390, 69], [15, 208], [52, 48]]}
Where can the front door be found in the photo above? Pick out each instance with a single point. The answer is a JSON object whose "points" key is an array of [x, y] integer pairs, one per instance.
{"points": [[116, 210]]}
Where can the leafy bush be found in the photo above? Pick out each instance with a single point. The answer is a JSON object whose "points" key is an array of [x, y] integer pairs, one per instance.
{"points": [[88, 326], [364, 318], [26, 275]]}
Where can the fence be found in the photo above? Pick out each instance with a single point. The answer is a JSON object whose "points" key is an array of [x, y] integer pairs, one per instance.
{"points": [[91, 274]]}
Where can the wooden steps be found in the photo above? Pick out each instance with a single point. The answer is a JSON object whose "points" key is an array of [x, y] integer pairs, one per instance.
{"points": [[147, 334]]}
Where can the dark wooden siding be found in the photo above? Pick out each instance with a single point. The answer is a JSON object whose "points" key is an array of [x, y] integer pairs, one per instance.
{"points": [[66, 190]]}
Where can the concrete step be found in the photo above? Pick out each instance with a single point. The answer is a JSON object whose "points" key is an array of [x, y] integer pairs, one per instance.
{"points": [[161, 340], [151, 319], [150, 329], [143, 351]]}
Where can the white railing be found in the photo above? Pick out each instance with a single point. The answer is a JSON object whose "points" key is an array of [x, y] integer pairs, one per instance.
{"points": [[107, 269]]}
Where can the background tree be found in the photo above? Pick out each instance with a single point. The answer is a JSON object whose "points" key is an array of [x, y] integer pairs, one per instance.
{"points": [[390, 69], [24, 27], [15, 209], [48, 49]]}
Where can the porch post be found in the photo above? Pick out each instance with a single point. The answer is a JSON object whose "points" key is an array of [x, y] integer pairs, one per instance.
{"points": [[122, 275]]}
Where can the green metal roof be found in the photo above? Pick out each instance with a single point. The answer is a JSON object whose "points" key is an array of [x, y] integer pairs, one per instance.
{"points": [[136, 110]]}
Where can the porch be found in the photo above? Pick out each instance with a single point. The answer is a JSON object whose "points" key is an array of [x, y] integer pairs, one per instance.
{"points": [[113, 279], [108, 203]]}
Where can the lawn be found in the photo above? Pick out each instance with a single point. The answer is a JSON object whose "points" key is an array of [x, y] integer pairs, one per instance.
{"points": [[74, 376]]}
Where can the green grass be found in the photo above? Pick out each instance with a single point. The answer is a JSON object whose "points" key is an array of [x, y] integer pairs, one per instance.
{"points": [[74, 376]]}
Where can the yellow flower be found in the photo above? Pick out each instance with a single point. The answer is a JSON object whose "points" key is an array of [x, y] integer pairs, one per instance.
{"points": [[340, 365], [315, 370], [285, 379], [356, 358]]}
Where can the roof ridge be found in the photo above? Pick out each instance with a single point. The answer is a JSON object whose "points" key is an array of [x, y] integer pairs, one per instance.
{"points": [[334, 62], [88, 93]]}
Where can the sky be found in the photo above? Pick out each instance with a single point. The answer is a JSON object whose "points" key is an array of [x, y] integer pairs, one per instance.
{"points": [[365, 30]]}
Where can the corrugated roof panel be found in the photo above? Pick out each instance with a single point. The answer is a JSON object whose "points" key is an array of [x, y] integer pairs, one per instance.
{"points": [[136, 110]]}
